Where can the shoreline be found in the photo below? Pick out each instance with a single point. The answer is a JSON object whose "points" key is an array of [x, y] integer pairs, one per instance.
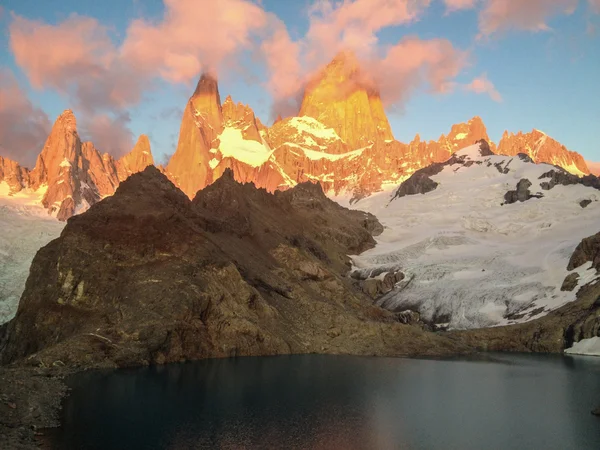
{"points": [[32, 398]]}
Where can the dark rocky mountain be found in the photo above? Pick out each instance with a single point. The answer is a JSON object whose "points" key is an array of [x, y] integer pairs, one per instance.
{"points": [[148, 276]]}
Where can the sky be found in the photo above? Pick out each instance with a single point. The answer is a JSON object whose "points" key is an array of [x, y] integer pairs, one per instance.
{"points": [[127, 67]]}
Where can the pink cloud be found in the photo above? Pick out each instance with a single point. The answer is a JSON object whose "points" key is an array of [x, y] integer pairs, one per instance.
{"points": [[531, 15], [352, 25], [23, 128], [76, 57], [595, 5], [481, 85], [456, 5], [193, 35], [413, 62], [109, 133], [286, 74]]}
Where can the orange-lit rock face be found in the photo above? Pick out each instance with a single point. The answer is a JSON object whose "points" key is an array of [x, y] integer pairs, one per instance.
{"points": [[303, 148], [205, 142], [308, 133], [421, 153], [342, 98], [341, 138], [242, 117], [542, 149], [73, 174], [201, 124], [100, 169], [266, 176], [61, 167], [136, 160], [13, 174]]}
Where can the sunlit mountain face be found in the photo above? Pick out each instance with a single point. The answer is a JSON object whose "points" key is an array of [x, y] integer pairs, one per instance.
{"points": [[340, 137]]}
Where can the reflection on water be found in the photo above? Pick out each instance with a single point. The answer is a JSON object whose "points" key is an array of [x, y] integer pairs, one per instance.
{"points": [[338, 402]]}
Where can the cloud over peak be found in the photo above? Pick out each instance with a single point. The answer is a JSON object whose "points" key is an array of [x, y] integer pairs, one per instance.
{"points": [[79, 57], [23, 127]]}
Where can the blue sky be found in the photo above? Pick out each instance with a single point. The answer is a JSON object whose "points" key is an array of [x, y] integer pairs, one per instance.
{"points": [[547, 79]]}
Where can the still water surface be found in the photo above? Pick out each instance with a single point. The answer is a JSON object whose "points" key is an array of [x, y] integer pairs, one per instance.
{"points": [[338, 402]]}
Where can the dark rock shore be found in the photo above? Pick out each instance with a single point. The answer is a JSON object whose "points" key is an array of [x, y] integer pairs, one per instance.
{"points": [[30, 399]]}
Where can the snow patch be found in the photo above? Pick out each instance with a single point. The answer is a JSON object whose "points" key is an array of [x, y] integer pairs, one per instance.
{"points": [[65, 163], [314, 155], [213, 163], [471, 152], [313, 126], [589, 346], [235, 146]]}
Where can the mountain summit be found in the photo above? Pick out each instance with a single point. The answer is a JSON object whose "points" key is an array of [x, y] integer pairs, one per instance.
{"points": [[343, 98], [541, 148], [70, 175]]}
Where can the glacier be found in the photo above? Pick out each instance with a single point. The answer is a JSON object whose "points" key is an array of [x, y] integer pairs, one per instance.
{"points": [[469, 260], [26, 227]]}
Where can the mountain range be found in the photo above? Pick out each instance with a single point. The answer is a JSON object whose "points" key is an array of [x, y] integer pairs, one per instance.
{"points": [[341, 137], [148, 276]]}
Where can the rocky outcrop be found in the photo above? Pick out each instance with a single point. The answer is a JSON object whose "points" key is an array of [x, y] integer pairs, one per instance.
{"points": [[418, 183], [521, 193], [378, 284], [485, 148], [202, 121], [542, 149], [136, 160], [588, 250], [15, 176], [561, 177], [570, 282], [148, 276]]}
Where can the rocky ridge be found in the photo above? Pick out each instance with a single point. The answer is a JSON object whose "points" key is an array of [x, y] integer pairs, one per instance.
{"points": [[541, 148], [340, 138]]}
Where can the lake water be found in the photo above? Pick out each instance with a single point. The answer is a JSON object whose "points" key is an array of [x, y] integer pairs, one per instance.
{"points": [[500, 401]]}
